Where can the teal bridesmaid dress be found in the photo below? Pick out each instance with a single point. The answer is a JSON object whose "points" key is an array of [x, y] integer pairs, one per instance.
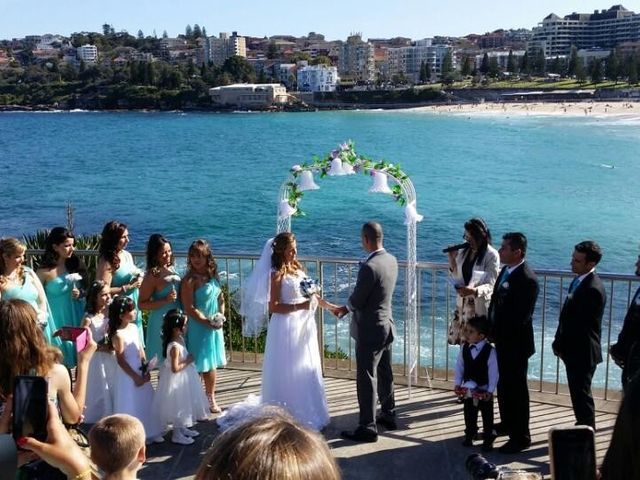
{"points": [[123, 276], [204, 343], [29, 293], [66, 311], [154, 324]]}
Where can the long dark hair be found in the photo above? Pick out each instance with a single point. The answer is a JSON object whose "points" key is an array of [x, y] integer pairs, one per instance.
{"points": [[280, 244], [73, 264], [119, 306], [478, 229], [155, 243], [108, 249], [92, 296], [202, 247], [174, 318]]}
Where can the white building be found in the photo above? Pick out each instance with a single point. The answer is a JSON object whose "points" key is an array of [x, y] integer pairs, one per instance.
{"points": [[87, 53], [249, 95], [217, 50], [317, 78], [407, 61]]}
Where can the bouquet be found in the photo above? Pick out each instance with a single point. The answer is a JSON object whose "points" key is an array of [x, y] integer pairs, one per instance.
{"points": [[310, 287], [217, 320], [73, 278], [173, 278]]}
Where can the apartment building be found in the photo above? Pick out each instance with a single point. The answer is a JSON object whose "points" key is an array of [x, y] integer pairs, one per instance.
{"points": [[317, 78], [356, 59], [600, 29], [408, 60], [87, 53], [217, 50]]}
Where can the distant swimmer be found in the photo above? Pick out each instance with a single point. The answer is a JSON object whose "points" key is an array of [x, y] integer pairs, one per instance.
{"points": [[604, 165]]}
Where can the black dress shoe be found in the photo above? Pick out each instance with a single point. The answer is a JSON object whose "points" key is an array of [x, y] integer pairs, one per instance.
{"points": [[513, 446], [360, 434], [387, 422], [468, 441], [500, 429]]}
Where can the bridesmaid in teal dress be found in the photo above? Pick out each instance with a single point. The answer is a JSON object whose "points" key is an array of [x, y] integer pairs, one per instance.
{"points": [[159, 291], [116, 267], [18, 281], [202, 298], [62, 272]]}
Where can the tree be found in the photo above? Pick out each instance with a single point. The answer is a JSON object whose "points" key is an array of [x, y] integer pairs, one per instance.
{"points": [[467, 67], [512, 66], [494, 68], [633, 72], [272, 50], [484, 66], [321, 60], [574, 62], [447, 64], [612, 66], [197, 33], [581, 75], [140, 35], [525, 66], [239, 69], [188, 32], [595, 71], [204, 32], [106, 29], [165, 34]]}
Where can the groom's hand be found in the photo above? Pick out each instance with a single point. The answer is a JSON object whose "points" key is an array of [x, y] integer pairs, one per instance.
{"points": [[341, 311]]}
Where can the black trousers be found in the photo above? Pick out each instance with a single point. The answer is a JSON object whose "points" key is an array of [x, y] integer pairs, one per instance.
{"points": [[513, 394], [374, 376], [471, 416], [579, 378]]}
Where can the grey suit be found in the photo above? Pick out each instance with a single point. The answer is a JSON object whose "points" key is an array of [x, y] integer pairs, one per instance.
{"points": [[373, 330]]}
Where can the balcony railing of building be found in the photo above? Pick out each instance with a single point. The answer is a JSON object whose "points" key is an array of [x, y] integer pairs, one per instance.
{"points": [[436, 304]]}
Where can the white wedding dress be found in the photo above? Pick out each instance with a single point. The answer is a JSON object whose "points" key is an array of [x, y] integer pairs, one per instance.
{"points": [[291, 370]]}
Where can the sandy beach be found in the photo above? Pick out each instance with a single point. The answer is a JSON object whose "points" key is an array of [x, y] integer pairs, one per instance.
{"points": [[628, 110]]}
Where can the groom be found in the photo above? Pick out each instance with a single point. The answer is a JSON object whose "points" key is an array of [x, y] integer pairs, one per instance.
{"points": [[373, 330]]}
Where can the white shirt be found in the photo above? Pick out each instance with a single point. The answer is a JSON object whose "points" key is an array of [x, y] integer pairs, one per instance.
{"points": [[492, 363], [581, 278]]}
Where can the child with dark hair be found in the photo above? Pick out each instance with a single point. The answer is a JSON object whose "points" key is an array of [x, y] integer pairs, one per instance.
{"points": [[100, 387], [179, 400], [476, 378], [133, 390]]}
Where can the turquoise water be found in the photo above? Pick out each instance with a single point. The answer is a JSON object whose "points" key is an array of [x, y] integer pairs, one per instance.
{"points": [[218, 175]]}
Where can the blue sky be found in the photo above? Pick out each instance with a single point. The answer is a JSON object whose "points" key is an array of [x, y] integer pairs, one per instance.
{"points": [[335, 18]]}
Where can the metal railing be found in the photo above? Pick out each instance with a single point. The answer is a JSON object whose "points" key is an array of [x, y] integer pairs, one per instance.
{"points": [[436, 302]]}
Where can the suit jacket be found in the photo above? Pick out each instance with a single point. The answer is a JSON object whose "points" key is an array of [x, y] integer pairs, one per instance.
{"points": [[511, 311], [372, 320], [577, 338], [630, 333]]}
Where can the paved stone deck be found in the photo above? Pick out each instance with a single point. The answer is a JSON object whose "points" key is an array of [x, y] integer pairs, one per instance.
{"points": [[426, 446]]}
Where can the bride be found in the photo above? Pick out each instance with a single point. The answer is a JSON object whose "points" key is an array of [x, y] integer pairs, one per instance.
{"points": [[291, 370]]}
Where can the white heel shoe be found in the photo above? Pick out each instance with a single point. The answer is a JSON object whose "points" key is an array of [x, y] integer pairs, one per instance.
{"points": [[180, 439]]}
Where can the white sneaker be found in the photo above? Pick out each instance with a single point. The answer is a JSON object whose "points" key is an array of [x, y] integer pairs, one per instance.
{"points": [[187, 432], [180, 439], [158, 439]]}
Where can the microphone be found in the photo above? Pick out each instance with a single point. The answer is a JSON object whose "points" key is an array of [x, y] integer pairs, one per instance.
{"points": [[453, 248]]}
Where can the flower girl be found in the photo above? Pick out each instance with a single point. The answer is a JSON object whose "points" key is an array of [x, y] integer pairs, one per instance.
{"points": [[100, 388], [133, 390], [180, 399]]}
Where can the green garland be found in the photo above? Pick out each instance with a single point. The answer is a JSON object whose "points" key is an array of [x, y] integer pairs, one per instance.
{"points": [[361, 164]]}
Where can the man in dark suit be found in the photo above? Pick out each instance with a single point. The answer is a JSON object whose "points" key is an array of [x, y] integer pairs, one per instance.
{"points": [[626, 352], [577, 340], [511, 314], [373, 330]]}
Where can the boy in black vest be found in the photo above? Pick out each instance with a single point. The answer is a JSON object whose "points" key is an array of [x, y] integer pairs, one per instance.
{"points": [[476, 379]]}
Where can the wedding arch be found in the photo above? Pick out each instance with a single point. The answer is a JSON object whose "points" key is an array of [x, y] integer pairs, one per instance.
{"points": [[345, 161]]}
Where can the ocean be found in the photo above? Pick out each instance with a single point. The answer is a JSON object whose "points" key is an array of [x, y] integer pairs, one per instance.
{"points": [[559, 180]]}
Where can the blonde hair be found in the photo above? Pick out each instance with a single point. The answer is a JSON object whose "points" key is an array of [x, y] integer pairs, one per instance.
{"points": [[22, 344], [272, 446], [11, 246], [115, 442]]}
